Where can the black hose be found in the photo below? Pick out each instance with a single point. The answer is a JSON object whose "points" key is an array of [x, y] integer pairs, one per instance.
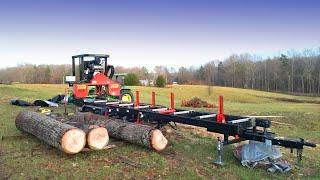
{"points": [[111, 69]]}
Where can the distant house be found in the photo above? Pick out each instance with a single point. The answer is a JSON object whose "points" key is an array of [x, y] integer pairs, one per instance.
{"points": [[146, 82]]}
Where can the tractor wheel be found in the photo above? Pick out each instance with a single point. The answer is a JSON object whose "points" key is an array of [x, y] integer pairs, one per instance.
{"points": [[126, 96]]}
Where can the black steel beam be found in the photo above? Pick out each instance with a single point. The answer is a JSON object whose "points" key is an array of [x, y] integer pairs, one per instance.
{"points": [[242, 131]]}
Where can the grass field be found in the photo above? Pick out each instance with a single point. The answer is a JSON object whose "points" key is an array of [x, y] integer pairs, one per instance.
{"points": [[189, 154]]}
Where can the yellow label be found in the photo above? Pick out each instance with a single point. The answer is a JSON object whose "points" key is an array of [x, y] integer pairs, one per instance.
{"points": [[114, 86], [81, 87]]}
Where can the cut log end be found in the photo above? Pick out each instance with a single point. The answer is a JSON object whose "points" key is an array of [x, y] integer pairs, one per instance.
{"points": [[73, 141], [158, 141], [97, 138]]}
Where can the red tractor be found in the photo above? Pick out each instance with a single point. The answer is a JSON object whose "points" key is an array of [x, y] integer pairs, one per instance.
{"points": [[92, 78]]}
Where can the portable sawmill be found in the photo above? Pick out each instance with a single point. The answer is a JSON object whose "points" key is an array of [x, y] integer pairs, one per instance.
{"points": [[108, 97]]}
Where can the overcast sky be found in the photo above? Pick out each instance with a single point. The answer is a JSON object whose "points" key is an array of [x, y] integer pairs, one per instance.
{"points": [[153, 32]]}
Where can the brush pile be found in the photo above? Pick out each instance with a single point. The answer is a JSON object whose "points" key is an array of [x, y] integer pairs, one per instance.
{"points": [[196, 102]]}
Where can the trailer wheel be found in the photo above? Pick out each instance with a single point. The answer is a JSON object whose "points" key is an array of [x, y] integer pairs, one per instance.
{"points": [[126, 96]]}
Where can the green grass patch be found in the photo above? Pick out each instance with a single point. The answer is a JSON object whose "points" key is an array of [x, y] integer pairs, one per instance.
{"points": [[189, 154]]}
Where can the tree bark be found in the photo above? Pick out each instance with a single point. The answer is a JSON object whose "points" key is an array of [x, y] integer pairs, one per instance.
{"points": [[292, 63], [139, 134], [276, 82], [67, 138], [302, 84], [319, 84]]}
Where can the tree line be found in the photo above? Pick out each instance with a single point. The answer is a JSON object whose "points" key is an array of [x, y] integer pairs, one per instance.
{"points": [[293, 72], [35, 74]]}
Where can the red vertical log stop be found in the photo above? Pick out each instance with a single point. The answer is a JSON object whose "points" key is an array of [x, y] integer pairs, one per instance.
{"points": [[153, 99], [172, 101], [220, 116]]}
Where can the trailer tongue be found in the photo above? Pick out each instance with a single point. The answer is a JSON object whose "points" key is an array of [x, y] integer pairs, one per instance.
{"points": [[238, 127]]}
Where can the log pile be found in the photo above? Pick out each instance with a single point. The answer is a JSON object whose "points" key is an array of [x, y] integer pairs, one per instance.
{"points": [[139, 134], [97, 137], [86, 129], [67, 138]]}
